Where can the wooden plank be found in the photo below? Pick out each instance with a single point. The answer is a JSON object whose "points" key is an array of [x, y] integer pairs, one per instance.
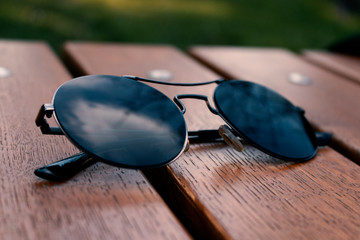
{"points": [[331, 103], [101, 203], [345, 65], [223, 194]]}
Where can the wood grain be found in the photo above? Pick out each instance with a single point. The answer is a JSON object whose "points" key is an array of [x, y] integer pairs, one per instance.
{"points": [[103, 202], [331, 102], [345, 65], [223, 194]]}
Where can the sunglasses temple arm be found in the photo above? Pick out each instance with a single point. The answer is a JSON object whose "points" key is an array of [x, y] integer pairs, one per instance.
{"points": [[204, 136], [323, 138], [65, 168], [68, 167]]}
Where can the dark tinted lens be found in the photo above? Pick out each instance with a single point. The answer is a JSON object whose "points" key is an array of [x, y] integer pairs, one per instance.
{"points": [[122, 121], [265, 119]]}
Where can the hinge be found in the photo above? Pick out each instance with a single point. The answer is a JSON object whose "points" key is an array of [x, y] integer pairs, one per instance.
{"points": [[46, 110]]}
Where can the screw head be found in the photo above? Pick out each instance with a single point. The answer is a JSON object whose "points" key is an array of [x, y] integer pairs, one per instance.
{"points": [[299, 79], [4, 72]]}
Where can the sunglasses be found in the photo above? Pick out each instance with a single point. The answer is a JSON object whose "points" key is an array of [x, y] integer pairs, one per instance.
{"points": [[124, 122]]}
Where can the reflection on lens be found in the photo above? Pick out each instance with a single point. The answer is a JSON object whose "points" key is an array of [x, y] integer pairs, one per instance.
{"points": [[265, 119], [120, 120]]}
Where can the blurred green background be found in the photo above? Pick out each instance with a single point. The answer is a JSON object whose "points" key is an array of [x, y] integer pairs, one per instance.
{"points": [[292, 24]]}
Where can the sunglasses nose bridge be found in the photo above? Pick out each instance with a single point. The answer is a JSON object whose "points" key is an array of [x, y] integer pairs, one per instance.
{"points": [[194, 96]]}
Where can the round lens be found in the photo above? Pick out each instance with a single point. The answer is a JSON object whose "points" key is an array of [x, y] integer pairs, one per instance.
{"points": [[122, 121], [266, 119]]}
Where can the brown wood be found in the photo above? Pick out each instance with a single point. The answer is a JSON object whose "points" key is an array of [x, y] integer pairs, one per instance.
{"points": [[331, 103], [102, 202], [345, 65], [221, 193]]}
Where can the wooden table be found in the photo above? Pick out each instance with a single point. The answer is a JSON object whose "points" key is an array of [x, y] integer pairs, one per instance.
{"points": [[211, 191], [344, 65]]}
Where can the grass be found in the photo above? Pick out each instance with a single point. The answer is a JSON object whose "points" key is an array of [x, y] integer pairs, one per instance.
{"points": [[295, 24]]}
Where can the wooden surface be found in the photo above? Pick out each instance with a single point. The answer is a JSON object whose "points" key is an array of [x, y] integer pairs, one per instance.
{"points": [[221, 193], [345, 65], [331, 102], [102, 202]]}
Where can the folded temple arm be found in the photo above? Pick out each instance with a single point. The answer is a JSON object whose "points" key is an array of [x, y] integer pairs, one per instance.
{"points": [[66, 168]]}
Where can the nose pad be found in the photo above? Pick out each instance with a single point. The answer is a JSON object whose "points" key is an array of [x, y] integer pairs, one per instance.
{"points": [[229, 137], [187, 146]]}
